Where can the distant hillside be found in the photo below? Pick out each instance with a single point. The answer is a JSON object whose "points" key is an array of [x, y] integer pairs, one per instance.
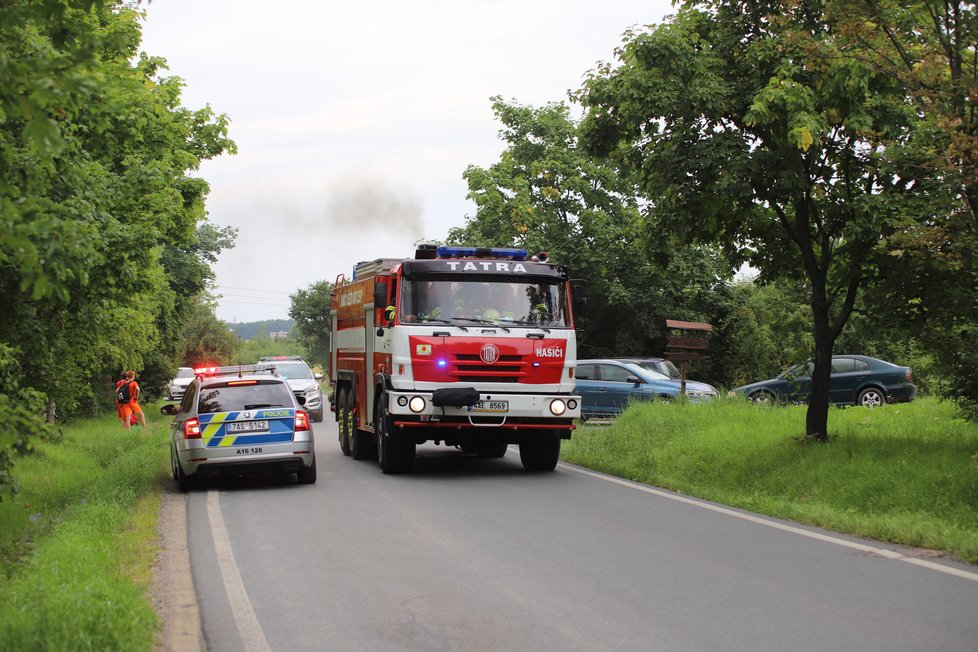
{"points": [[250, 330]]}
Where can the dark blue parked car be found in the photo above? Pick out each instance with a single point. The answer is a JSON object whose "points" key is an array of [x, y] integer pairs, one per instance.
{"points": [[606, 386], [855, 380]]}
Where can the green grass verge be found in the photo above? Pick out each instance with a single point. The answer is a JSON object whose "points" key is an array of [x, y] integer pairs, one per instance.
{"points": [[78, 541], [903, 473]]}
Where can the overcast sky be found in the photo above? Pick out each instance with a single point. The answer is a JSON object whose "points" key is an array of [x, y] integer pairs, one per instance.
{"points": [[355, 120]]}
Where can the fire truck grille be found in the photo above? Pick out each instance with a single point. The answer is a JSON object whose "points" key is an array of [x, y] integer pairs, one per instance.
{"points": [[472, 357], [470, 368]]}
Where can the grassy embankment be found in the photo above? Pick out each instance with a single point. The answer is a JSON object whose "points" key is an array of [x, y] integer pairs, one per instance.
{"points": [[903, 473], [77, 543]]}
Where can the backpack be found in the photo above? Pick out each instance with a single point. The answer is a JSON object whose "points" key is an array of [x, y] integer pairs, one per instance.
{"points": [[123, 394]]}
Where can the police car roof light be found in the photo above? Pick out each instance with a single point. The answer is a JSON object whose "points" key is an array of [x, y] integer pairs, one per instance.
{"points": [[237, 370], [482, 252]]}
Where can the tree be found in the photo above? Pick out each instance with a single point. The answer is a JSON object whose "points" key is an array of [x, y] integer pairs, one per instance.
{"points": [[748, 128], [98, 204], [209, 341], [928, 47], [312, 312], [547, 194]]}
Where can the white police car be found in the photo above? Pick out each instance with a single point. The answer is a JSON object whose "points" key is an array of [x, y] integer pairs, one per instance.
{"points": [[241, 419]]}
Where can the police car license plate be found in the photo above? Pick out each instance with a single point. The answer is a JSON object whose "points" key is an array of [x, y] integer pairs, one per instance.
{"points": [[259, 425], [490, 406]]}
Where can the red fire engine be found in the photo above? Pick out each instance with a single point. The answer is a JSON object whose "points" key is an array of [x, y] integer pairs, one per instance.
{"points": [[464, 346]]}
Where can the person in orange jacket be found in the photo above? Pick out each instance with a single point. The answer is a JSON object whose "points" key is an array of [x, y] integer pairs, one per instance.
{"points": [[132, 408], [118, 405]]}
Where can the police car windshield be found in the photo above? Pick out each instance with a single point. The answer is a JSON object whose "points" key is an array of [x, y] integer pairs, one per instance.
{"points": [[294, 370], [225, 397], [493, 300]]}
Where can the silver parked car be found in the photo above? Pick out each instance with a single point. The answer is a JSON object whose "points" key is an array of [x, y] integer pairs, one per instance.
{"points": [[304, 383], [240, 419], [176, 388]]}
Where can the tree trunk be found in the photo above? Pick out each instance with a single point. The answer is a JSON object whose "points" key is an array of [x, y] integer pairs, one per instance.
{"points": [[817, 417]]}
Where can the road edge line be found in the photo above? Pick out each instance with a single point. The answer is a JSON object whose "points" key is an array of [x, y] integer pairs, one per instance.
{"points": [[244, 613]]}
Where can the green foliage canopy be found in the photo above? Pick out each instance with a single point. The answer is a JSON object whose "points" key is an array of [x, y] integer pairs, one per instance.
{"points": [[103, 239], [746, 127], [313, 321]]}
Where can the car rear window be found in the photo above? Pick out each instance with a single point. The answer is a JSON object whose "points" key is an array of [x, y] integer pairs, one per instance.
{"points": [[294, 370], [233, 395]]}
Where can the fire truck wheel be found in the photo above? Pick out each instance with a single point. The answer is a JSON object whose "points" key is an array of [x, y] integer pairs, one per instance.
{"points": [[345, 418], [361, 443], [395, 454], [540, 451]]}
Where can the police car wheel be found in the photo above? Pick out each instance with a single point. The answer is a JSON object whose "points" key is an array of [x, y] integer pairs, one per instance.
{"points": [[307, 474], [185, 482]]}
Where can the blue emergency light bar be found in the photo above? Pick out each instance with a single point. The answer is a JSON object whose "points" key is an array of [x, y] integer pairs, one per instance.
{"points": [[481, 252]]}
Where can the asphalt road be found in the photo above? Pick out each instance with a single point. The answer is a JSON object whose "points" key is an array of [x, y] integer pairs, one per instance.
{"points": [[470, 554]]}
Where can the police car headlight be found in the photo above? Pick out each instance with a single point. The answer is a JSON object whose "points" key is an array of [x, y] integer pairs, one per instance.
{"points": [[314, 394], [557, 407], [416, 404]]}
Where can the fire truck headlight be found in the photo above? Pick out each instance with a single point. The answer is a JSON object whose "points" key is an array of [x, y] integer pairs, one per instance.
{"points": [[417, 404], [402, 400], [557, 407], [572, 404]]}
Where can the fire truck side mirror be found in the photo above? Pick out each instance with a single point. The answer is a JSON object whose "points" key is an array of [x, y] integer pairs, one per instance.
{"points": [[380, 294], [579, 297]]}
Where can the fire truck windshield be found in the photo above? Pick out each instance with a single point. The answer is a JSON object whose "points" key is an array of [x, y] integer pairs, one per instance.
{"points": [[527, 302]]}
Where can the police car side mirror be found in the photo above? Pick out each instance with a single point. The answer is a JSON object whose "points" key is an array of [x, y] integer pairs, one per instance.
{"points": [[317, 376]]}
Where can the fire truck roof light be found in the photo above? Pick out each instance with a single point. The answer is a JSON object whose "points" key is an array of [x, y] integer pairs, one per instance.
{"points": [[481, 252]]}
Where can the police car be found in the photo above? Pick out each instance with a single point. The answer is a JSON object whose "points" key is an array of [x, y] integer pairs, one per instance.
{"points": [[240, 419]]}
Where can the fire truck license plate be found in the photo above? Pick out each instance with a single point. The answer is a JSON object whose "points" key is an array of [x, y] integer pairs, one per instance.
{"points": [[260, 425], [490, 406]]}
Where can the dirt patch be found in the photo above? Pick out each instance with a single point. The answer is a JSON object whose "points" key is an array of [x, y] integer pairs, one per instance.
{"points": [[172, 593]]}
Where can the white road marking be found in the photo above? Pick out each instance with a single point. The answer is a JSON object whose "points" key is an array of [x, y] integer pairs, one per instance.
{"points": [[244, 614], [882, 552]]}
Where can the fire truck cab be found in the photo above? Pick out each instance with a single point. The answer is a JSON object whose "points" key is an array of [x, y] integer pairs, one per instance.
{"points": [[469, 347]]}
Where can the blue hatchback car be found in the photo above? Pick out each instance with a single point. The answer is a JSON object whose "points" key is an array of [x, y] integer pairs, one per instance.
{"points": [[607, 386], [854, 380]]}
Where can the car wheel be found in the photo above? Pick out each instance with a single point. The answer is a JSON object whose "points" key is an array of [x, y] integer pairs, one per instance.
{"points": [[762, 398], [173, 465], [871, 397], [395, 454], [185, 482], [307, 474], [344, 418], [540, 451]]}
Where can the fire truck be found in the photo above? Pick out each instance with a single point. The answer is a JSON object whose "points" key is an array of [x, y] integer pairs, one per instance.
{"points": [[461, 346]]}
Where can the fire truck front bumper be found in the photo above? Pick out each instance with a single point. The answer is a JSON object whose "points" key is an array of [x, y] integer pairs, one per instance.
{"points": [[544, 409]]}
